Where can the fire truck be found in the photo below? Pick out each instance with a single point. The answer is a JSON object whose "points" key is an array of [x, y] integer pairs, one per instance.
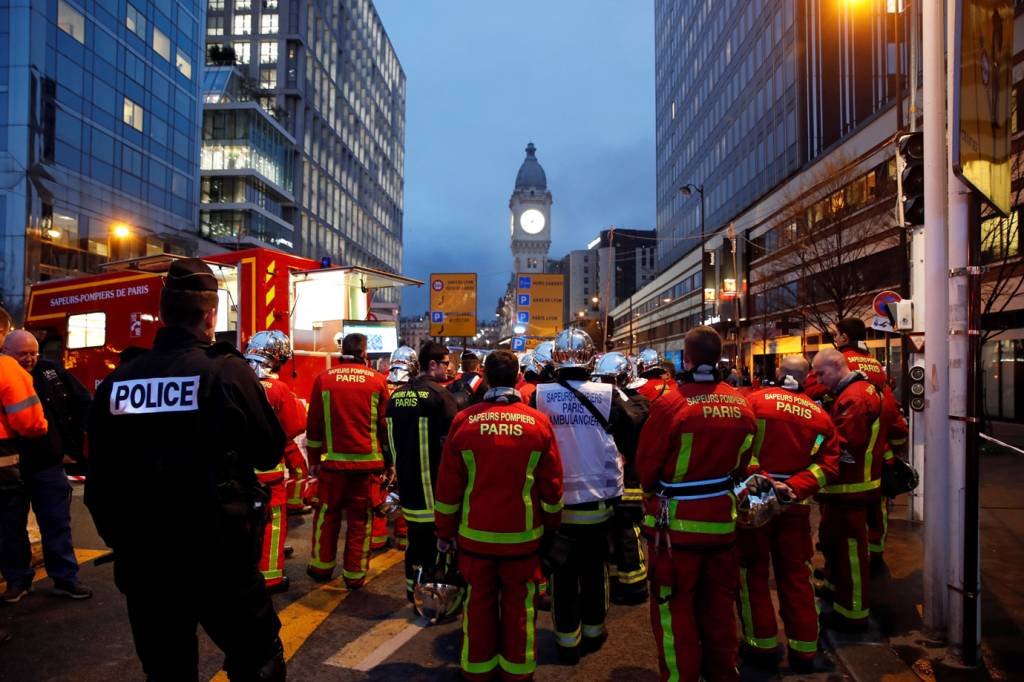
{"points": [[89, 321]]}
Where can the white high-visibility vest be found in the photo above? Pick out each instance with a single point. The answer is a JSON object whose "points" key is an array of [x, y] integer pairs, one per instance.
{"points": [[591, 464]]}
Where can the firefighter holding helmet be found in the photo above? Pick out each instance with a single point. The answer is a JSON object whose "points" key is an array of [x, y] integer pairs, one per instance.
{"points": [[658, 383], [266, 352]]}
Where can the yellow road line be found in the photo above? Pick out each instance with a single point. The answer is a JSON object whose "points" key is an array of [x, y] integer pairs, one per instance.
{"points": [[83, 556], [302, 617], [382, 640]]}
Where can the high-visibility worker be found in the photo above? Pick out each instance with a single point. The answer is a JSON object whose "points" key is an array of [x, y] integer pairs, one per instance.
{"points": [[659, 383], [595, 430], [266, 353], [499, 490], [844, 503], [694, 441], [796, 446], [419, 415], [343, 439]]}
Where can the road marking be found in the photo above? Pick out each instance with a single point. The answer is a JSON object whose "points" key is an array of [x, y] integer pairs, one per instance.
{"points": [[302, 617], [383, 639], [82, 556]]}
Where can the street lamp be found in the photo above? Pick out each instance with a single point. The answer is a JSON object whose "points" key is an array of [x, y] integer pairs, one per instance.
{"points": [[687, 190], [120, 230]]}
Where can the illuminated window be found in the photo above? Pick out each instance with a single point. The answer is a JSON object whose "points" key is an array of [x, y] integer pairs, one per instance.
{"points": [[268, 52], [136, 22], [243, 52], [243, 4], [184, 64], [87, 330], [243, 24], [133, 114], [71, 21], [161, 44], [214, 25], [268, 23], [268, 77]]}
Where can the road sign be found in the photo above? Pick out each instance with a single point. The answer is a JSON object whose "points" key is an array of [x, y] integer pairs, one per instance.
{"points": [[543, 310], [453, 304], [882, 324], [881, 299], [518, 344]]}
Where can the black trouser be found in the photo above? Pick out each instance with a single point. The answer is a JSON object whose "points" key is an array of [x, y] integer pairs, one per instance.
{"points": [[422, 551], [579, 587], [228, 599], [629, 577]]}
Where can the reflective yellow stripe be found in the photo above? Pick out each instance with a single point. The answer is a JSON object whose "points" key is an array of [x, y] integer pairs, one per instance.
{"points": [[852, 614], [529, 664], [528, 490], [817, 444], [687, 526], [887, 455], [28, 402], [744, 447], [551, 508], [374, 409], [683, 458], [273, 569], [470, 461], [840, 488], [869, 454], [668, 640], [351, 457], [758, 440], [314, 443], [278, 469], [819, 475], [418, 515], [314, 561], [390, 424], [428, 487], [500, 538], [567, 639], [803, 647], [856, 593], [586, 516], [479, 667], [445, 508], [331, 455]]}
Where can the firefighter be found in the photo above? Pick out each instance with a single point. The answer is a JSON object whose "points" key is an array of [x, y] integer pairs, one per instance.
{"points": [[469, 385], [343, 438], [499, 490], [844, 504], [402, 367], [593, 425], [658, 383], [527, 382], [419, 415], [266, 353], [694, 441], [797, 447], [175, 436], [627, 571]]}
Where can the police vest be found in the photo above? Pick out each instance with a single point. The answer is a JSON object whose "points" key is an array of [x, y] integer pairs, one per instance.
{"points": [[591, 465]]}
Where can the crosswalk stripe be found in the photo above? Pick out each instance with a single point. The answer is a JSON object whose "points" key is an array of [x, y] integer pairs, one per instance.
{"points": [[383, 639], [303, 616]]}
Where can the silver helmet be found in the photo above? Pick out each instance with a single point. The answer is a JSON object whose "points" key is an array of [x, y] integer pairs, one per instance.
{"points": [[542, 355], [616, 368], [390, 507], [526, 362], [573, 348], [756, 502], [648, 359], [436, 594], [267, 351], [405, 357]]}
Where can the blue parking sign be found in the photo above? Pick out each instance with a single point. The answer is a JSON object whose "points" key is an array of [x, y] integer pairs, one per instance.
{"points": [[518, 343], [437, 317], [524, 300], [524, 282], [522, 317]]}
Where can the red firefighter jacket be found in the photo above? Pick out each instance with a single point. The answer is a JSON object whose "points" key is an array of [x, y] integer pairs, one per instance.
{"points": [[693, 441], [855, 412], [796, 441], [657, 387], [858, 361], [291, 413], [526, 389], [500, 482], [346, 418]]}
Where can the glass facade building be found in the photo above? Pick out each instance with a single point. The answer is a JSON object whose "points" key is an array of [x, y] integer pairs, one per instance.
{"points": [[327, 72], [99, 127]]}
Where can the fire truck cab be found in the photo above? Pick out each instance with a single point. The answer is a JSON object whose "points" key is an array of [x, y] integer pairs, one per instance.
{"points": [[87, 322]]}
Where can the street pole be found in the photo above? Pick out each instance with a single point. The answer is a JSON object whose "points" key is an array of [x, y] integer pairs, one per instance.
{"points": [[936, 417], [703, 312]]}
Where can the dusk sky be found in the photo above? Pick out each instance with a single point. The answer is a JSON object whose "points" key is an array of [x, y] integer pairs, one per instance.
{"points": [[576, 77]]}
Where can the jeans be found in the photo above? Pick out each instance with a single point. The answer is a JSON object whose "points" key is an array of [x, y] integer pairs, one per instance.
{"points": [[49, 492]]}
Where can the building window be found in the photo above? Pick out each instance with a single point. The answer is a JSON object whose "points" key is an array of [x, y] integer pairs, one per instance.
{"points": [[268, 77], [184, 64], [243, 4], [71, 21], [268, 52], [133, 114], [87, 330], [215, 5], [214, 26], [269, 4], [161, 44], [243, 24], [136, 22], [268, 24], [243, 51]]}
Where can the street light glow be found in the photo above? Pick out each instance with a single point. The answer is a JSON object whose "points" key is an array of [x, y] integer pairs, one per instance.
{"points": [[121, 231]]}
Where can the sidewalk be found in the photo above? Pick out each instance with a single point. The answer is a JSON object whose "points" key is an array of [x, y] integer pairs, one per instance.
{"points": [[897, 648]]}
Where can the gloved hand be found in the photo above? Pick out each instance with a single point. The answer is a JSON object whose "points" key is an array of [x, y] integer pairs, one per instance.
{"points": [[444, 546]]}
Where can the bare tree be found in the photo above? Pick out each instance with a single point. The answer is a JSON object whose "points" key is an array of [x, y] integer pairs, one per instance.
{"points": [[1000, 252]]}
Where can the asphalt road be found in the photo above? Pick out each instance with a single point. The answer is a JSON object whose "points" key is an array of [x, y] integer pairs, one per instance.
{"points": [[329, 632]]}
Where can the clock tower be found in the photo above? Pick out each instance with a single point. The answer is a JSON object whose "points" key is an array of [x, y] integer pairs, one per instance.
{"points": [[530, 216]]}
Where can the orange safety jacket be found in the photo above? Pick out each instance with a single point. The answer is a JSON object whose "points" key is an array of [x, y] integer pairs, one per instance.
{"points": [[796, 441], [22, 413], [346, 418], [690, 446], [291, 413], [855, 412], [500, 482]]}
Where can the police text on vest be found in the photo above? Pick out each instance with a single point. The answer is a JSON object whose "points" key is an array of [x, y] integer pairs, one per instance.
{"points": [[148, 396]]}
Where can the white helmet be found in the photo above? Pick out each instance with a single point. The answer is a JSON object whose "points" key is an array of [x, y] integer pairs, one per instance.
{"points": [[573, 348], [648, 359], [267, 351], [617, 367]]}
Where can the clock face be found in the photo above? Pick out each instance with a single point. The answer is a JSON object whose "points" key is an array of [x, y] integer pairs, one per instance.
{"points": [[532, 221]]}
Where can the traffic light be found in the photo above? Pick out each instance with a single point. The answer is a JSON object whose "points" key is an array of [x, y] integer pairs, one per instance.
{"points": [[911, 151], [917, 388]]}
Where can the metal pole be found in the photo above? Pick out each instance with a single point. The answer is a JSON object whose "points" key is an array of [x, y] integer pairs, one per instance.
{"points": [[631, 324], [703, 311], [899, 67], [972, 546], [936, 464]]}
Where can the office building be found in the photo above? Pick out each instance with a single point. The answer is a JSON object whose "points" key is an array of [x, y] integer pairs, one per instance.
{"points": [[99, 135], [328, 74]]}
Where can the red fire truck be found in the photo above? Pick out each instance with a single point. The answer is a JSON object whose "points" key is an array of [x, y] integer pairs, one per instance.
{"points": [[88, 321]]}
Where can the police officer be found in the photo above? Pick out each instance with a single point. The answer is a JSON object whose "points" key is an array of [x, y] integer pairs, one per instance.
{"points": [[418, 417], [595, 428], [175, 436]]}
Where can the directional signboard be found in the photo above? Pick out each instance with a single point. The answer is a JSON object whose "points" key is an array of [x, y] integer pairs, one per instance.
{"points": [[539, 304], [453, 304]]}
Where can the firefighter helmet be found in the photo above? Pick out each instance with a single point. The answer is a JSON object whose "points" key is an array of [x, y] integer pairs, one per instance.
{"points": [[573, 348], [403, 365], [437, 594], [648, 359], [526, 362], [390, 506], [267, 351], [756, 502], [617, 367], [542, 355]]}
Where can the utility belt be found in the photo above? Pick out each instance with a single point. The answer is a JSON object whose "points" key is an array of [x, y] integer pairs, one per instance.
{"points": [[696, 490]]}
